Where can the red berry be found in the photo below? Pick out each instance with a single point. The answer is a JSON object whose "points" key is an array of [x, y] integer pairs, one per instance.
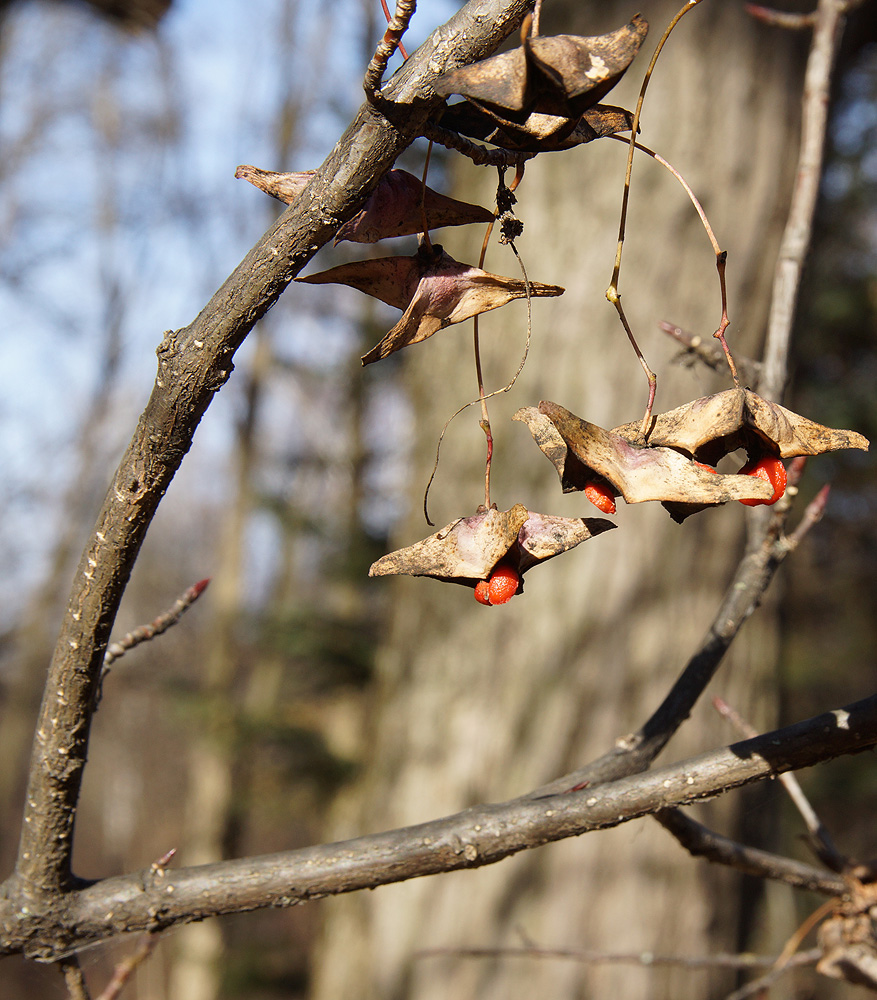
{"points": [[601, 497], [500, 588], [772, 471], [504, 583], [707, 468]]}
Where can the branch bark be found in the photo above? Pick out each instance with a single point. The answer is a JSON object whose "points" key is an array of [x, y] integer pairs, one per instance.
{"points": [[193, 364], [159, 898]]}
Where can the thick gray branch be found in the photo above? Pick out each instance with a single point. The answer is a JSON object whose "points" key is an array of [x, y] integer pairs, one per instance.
{"points": [[484, 835], [194, 363]]}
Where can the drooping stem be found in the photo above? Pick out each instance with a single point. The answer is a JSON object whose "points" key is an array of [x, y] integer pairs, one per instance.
{"points": [[721, 261], [612, 293]]}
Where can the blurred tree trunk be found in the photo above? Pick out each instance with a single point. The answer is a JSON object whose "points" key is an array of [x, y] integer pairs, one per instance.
{"points": [[477, 704]]}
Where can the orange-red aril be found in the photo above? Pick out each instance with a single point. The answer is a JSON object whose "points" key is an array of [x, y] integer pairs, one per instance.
{"points": [[500, 588], [772, 471], [601, 497]]}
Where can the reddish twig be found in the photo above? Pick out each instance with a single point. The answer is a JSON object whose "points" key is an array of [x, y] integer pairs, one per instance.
{"points": [[392, 40], [780, 18]]}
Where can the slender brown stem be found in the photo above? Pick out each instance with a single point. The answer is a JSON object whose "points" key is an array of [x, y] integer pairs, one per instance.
{"points": [[612, 293], [721, 261]]}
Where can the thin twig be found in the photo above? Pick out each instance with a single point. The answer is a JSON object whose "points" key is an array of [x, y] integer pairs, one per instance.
{"points": [[823, 844], [386, 11], [77, 988], [391, 41], [742, 960], [479, 155], [143, 633], [709, 354], [780, 18], [482, 396], [636, 751], [827, 32], [126, 968], [702, 842]]}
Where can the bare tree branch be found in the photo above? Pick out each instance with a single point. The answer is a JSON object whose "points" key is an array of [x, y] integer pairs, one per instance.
{"points": [[827, 31], [704, 843], [194, 363], [155, 899]]}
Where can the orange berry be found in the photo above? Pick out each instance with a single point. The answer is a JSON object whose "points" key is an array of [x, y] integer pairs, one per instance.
{"points": [[500, 588], [601, 497], [504, 583], [772, 471]]}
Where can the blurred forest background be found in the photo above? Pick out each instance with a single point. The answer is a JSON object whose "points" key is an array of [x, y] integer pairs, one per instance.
{"points": [[247, 728]]}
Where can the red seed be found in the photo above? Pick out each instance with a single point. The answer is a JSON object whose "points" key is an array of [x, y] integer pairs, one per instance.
{"points": [[504, 583], [500, 588], [772, 471], [601, 497]]}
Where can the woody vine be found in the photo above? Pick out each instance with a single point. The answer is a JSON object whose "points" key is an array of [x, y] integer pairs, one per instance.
{"points": [[544, 96]]}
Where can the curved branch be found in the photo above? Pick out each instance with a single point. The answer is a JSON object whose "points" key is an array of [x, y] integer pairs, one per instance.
{"points": [[156, 899], [194, 363]]}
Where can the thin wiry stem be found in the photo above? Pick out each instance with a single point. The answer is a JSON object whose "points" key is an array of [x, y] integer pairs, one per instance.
{"points": [[742, 960], [612, 293]]}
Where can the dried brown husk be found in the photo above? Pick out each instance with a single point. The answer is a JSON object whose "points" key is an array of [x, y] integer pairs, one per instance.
{"points": [[468, 550], [584, 453], [286, 187], [398, 206], [560, 75], [713, 426], [539, 133], [433, 289], [395, 208]]}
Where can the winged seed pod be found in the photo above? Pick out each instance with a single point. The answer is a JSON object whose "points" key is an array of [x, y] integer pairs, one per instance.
{"points": [[713, 426], [584, 453], [432, 288], [538, 133], [469, 549], [394, 208], [284, 187], [561, 75]]}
